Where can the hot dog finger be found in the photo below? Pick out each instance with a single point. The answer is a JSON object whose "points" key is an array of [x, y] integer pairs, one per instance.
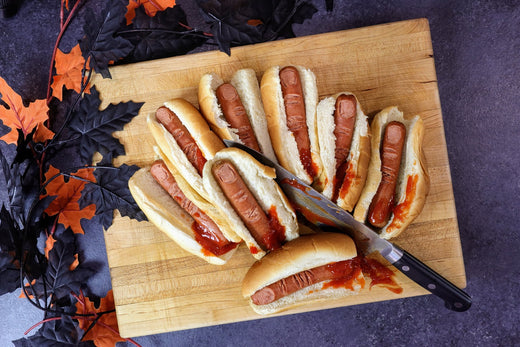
{"points": [[290, 98], [391, 151], [235, 110], [344, 142], [248, 196], [244, 204], [235, 114], [394, 193]]}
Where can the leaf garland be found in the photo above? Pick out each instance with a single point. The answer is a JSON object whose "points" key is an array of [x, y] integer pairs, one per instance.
{"points": [[41, 222]]}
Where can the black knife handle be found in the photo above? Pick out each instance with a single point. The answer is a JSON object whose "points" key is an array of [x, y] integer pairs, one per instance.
{"points": [[454, 298]]}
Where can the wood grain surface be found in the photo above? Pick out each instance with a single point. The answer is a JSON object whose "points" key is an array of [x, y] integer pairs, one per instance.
{"points": [[158, 287]]}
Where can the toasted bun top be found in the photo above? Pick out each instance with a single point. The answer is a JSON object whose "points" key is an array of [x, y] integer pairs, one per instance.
{"points": [[303, 253]]}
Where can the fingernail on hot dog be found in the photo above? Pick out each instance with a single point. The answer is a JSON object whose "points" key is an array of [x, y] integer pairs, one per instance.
{"points": [[235, 114], [391, 152], [295, 112], [245, 204]]}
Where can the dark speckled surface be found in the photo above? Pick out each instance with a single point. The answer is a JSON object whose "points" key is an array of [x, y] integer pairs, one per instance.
{"points": [[476, 45]]}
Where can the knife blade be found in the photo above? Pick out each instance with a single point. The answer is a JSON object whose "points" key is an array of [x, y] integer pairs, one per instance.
{"points": [[323, 213]]}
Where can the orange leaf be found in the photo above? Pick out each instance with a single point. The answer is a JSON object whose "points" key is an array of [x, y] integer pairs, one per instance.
{"points": [[17, 116], [68, 193], [22, 293], [254, 22], [75, 263], [42, 133], [49, 243], [68, 71], [105, 332], [150, 6]]}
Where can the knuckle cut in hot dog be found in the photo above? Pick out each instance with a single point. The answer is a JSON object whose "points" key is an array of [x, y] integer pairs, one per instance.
{"points": [[344, 141], [235, 110], [185, 138], [252, 202], [313, 267], [398, 182], [290, 97]]}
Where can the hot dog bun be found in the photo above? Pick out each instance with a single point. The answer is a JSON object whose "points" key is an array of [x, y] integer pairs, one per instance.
{"points": [[246, 84], [413, 180], [358, 155], [260, 182], [306, 252], [207, 141], [168, 216], [284, 144]]}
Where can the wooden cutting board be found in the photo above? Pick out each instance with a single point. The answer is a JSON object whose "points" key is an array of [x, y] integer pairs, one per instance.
{"points": [[158, 287]]}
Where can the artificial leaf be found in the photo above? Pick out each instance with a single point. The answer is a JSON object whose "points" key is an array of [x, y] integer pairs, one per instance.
{"points": [[68, 192], [69, 72], [93, 128], [105, 332], [49, 243], [150, 6], [58, 279], [100, 43], [56, 332], [42, 133], [111, 192], [16, 116], [9, 273], [160, 36], [4, 129], [228, 22]]}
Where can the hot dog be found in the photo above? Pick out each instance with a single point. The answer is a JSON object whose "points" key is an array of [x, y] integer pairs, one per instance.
{"points": [[247, 195], [290, 97], [344, 142], [312, 267], [235, 111], [184, 222], [398, 181], [185, 138]]}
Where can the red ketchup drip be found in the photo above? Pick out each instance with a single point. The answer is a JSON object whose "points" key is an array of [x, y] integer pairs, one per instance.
{"points": [[379, 274], [344, 274], [274, 239], [401, 210], [210, 244]]}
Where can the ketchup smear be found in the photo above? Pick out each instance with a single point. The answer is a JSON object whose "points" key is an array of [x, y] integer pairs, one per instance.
{"points": [[210, 245], [275, 238]]}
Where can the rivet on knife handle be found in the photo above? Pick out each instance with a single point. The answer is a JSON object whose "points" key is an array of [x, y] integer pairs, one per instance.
{"points": [[455, 299]]}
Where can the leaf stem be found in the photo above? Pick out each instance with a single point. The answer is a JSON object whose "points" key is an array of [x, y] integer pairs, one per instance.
{"points": [[60, 35]]}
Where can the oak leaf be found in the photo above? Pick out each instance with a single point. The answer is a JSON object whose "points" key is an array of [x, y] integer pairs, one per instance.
{"points": [[105, 331], [151, 7], [16, 116], [68, 193], [69, 72]]}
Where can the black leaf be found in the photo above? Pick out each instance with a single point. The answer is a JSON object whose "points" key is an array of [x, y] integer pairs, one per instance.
{"points": [[9, 273], [228, 22], [160, 36], [111, 192], [100, 42], [93, 128], [62, 332], [59, 279]]}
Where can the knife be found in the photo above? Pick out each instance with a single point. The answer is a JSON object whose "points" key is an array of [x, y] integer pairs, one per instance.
{"points": [[322, 212]]}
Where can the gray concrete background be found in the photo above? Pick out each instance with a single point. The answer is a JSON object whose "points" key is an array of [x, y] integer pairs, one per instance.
{"points": [[476, 49]]}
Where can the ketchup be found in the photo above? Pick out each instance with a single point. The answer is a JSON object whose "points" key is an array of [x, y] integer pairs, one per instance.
{"points": [[277, 236], [401, 210], [211, 245]]}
